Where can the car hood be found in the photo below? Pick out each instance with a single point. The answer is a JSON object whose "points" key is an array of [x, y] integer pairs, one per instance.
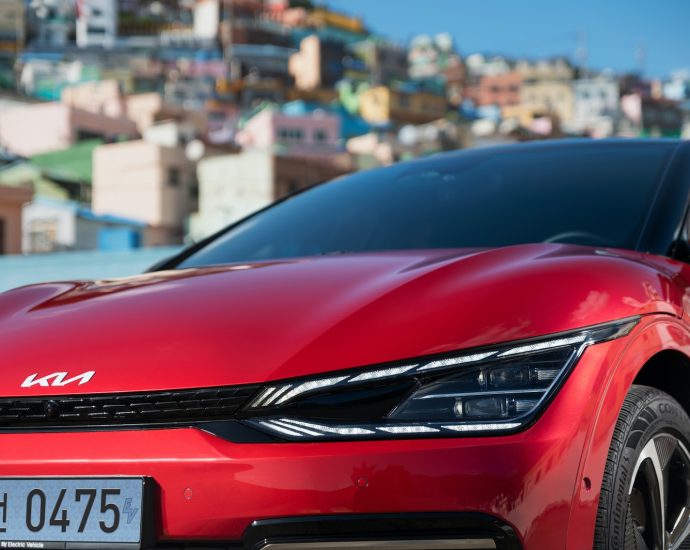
{"points": [[252, 323]]}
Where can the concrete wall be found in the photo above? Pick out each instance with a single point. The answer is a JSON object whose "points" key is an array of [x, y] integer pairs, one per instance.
{"points": [[35, 129], [230, 188], [147, 182]]}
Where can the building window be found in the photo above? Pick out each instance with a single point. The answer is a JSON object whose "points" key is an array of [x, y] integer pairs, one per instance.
{"points": [[290, 134], [173, 177], [320, 135]]}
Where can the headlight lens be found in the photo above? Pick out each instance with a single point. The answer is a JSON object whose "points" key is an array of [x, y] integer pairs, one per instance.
{"points": [[493, 390]]}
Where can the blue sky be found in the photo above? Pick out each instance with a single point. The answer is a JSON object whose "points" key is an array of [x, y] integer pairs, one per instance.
{"points": [[615, 29]]}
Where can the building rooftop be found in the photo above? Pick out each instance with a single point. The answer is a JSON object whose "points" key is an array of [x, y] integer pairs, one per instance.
{"points": [[72, 164]]}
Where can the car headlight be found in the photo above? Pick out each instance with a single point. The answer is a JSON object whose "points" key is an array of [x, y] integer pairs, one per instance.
{"points": [[490, 390]]}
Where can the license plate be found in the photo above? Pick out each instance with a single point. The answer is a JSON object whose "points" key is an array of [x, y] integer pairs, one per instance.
{"points": [[65, 513]]}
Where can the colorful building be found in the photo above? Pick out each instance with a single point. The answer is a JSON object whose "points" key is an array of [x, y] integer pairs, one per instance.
{"points": [[382, 105], [318, 63], [313, 134], [501, 89], [549, 98]]}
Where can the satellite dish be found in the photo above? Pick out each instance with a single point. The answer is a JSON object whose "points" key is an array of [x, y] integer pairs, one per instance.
{"points": [[195, 150], [408, 135]]}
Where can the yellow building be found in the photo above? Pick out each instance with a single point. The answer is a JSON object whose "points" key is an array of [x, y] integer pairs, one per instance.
{"points": [[523, 114], [324, 17], [380, 105], [545, 69], [547, 88], [549, 97]]}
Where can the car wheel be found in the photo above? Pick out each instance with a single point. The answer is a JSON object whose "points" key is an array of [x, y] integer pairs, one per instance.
{"points": [[645, 495]]}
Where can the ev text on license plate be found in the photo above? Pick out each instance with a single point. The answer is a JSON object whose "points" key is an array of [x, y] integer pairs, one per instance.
{"points": [[64, 513]]}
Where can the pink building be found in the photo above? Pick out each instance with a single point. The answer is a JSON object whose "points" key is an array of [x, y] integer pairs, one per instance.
{"points": [[496, 89], [148, 182], [106, 98], [46, 127], [314, 134]]}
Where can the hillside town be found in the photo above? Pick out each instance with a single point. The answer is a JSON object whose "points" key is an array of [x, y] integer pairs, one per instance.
{"points": [[127, 124]]}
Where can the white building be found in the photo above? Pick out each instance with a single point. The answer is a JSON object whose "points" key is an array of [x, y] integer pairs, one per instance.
{"points": [[678, 87], [233, 186], [206, 19], [52, 226], [596, 108], [96, 23]]}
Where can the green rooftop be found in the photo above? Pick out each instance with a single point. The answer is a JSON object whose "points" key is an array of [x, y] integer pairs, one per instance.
{"points": [[73, 164]]}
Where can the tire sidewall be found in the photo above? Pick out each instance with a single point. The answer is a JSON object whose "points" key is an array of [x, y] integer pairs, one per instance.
{"points": [[657, 414]]}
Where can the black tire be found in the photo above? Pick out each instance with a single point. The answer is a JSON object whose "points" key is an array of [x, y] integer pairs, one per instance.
{"points": [[650, 443]]}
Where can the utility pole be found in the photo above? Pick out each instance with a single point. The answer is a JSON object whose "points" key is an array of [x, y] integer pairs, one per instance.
{"points": [[582, 52], [641, 57]]}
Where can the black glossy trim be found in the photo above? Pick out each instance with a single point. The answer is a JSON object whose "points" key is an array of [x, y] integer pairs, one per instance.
{"points": [[667, 215], [656, 234], [231, 430], [370, 527], [167, 407]]}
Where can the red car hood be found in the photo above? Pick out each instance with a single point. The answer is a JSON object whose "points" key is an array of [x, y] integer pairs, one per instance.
{"points": [[253, 323]]}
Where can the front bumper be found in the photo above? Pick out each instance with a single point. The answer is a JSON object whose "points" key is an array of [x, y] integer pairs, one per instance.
{"points": [[513, 491]]}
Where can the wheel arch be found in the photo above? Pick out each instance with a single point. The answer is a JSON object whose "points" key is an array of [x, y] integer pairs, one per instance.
{"points": [[657, 354], [668, 371]]}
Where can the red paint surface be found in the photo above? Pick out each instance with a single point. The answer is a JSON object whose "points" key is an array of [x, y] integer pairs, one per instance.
{"points": [[248, 324]]}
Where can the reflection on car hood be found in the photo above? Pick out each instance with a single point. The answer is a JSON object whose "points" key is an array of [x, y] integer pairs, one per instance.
{"points": [[251, 323]]}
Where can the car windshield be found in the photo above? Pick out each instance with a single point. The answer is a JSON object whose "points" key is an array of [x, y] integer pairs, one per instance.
{"points": [[584, 194]]}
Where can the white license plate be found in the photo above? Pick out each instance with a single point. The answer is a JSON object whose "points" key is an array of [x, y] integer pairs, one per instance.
{"points": [[63, 513]]}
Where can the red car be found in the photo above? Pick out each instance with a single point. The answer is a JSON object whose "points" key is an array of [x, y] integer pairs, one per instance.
{"points": [[480, 350]]}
